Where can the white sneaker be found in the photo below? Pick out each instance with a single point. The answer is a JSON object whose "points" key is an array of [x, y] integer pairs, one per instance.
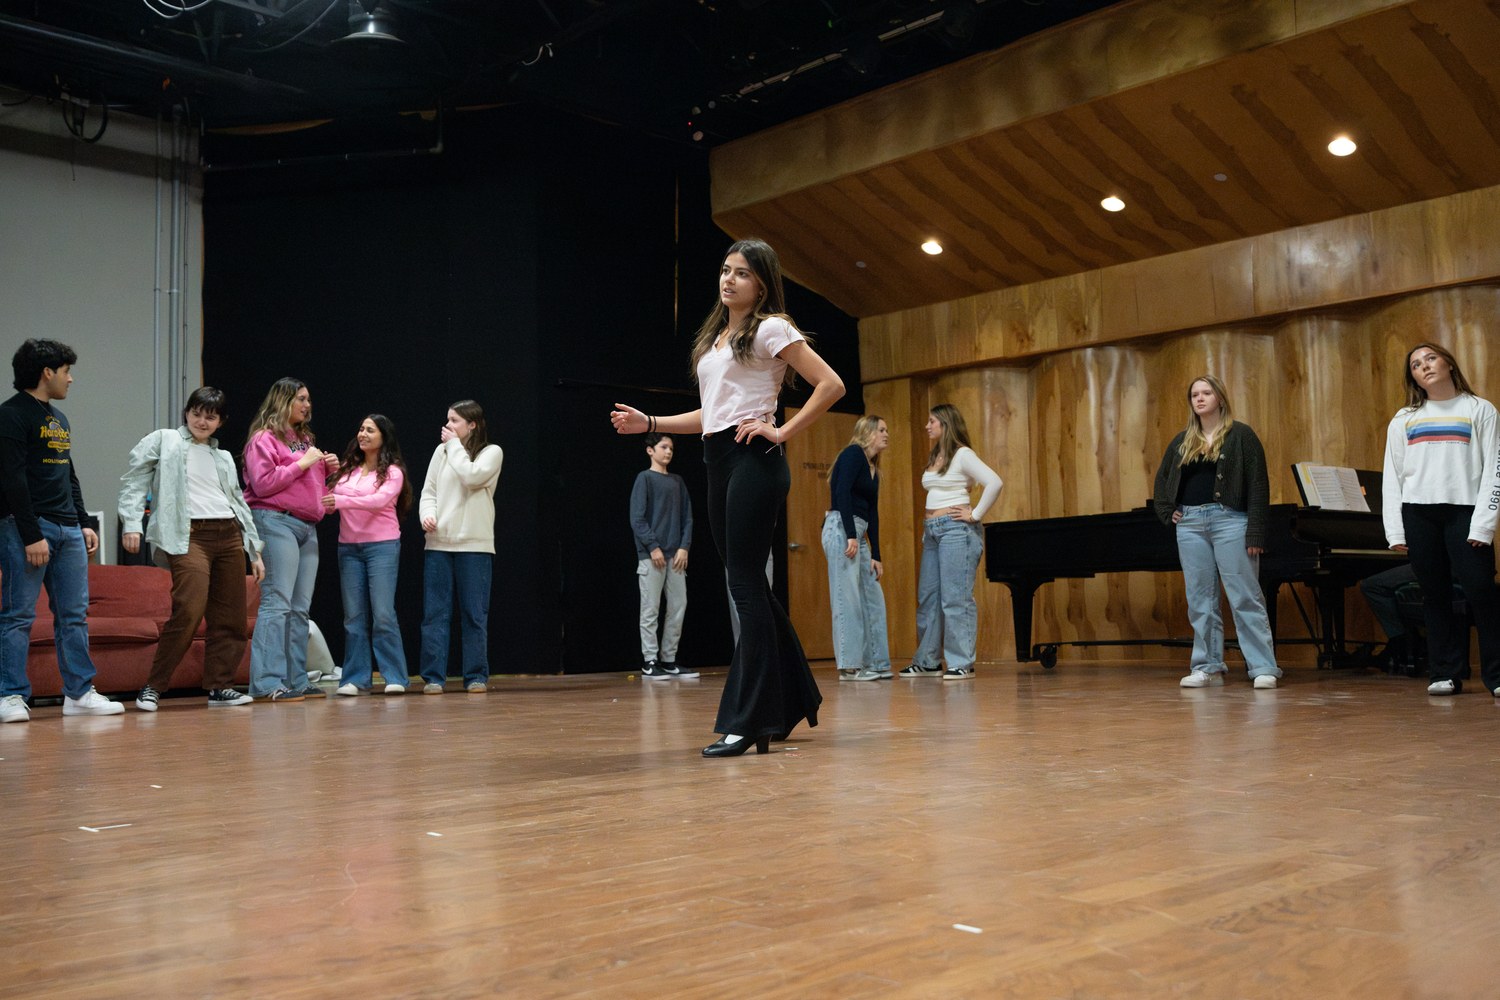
{"points": [[1445, 687], [395, 689], [1265, 682], [1199, 679], [347, 690], [92, 703], [13, 709]]}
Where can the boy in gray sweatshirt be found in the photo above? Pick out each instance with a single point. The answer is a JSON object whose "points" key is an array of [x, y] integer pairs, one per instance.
{"points": [[661, 517]]}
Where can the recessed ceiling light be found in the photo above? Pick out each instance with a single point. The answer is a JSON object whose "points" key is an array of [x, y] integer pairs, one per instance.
{"points": [[859, 263], [1221, 177], [1342, 146], [933, 247], [1113, 204]]}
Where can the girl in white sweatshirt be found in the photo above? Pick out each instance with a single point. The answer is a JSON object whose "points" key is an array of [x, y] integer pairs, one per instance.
{"points": [[458, 515], [1441, 495]]}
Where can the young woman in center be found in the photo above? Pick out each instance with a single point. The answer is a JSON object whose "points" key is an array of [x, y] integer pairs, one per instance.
{"points": [[284, 487], [371, 493], [458, 515], [744, 352], [1212, 484], [952, 542], [1441, 493], [851, 543]]}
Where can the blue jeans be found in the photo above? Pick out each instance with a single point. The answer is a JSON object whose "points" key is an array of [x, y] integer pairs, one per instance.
{"points": [[947, 615], [859, 631], [1211, 547], [66, 577], [367, 579], [278, 650], [464, 576]]}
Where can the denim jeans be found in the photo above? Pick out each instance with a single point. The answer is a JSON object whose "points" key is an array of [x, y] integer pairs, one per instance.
{"points": [[1211, 547], [859, 631], [66, 577], [372, 636], [947, 615], [1437, 538], [466, 577], [278, 649]]}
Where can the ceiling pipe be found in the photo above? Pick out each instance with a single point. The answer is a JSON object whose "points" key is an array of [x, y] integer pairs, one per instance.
{"points": [[116, 57]]}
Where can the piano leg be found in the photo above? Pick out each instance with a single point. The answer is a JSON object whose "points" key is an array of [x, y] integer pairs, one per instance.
{"points": [[1022, 594]]}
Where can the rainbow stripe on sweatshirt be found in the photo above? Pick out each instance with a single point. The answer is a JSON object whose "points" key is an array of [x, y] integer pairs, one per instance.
{"points": [[1439, 430]]}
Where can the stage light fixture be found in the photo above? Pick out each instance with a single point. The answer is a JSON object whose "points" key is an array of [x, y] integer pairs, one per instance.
{"points": [[1113, 204], [933, 247], [371, 21], [1342, 146]]}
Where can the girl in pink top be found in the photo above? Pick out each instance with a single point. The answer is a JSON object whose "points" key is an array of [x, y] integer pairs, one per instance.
{"points": [[284, 475], [745, 351], [371, 494]]}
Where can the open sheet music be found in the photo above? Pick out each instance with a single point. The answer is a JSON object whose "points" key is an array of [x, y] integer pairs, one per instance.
{"points": [[1330, 487]]}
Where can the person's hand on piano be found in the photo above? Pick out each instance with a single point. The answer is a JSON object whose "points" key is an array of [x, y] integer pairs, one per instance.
{"points": [[1398, 548], [1255, 550], [876, 568], [851, 548]]}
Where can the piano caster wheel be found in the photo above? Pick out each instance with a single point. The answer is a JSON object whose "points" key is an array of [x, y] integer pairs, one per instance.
{"points": [[1049, 657]]}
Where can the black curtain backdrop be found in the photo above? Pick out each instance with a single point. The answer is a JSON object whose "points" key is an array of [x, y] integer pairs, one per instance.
{"points": [[543, 265]]}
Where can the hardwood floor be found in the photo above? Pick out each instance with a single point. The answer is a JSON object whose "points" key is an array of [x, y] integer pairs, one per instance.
{"points": [[1107, 833]]}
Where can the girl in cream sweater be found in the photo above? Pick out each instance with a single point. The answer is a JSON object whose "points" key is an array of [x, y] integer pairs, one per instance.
{"points": [[458, 515]]}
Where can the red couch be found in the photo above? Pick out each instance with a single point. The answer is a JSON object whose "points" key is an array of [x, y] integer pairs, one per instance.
{"points": [[128, 606]]}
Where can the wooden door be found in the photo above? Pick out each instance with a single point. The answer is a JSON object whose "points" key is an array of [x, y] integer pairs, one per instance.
{"points": [[810, 455]]}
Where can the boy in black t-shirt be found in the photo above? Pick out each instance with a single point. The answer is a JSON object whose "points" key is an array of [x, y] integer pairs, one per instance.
{"points": [[46, 536]]}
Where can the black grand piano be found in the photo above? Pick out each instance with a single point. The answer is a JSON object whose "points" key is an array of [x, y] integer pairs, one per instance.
{"points": [[1328, 550]]}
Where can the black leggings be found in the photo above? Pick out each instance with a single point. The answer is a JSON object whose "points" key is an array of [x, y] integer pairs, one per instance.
{"points": [[1437, 540], [770, 687]]}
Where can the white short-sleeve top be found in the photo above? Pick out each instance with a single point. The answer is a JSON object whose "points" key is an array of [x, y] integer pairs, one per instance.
{"points": [[732, 392]]}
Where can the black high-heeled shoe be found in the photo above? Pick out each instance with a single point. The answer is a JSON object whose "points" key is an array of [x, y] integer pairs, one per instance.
{"points": [[722, 749]]}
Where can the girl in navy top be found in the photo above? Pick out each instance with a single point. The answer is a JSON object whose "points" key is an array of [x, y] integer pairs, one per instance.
{"points": [[851, 541]]}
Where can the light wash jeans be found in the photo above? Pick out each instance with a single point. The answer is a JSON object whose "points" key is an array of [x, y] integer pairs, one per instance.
{"points": [[372, 636], [66, 577], [1211, 547], [947, 615], [653, 581], [859, 635], [278, 649]]}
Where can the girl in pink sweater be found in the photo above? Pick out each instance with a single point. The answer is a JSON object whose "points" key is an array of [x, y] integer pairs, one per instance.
{"points": [[284, 476], [371, 493]]}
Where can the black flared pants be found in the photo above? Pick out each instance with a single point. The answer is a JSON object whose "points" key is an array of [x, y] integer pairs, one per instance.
{"points": [[770, 687]]}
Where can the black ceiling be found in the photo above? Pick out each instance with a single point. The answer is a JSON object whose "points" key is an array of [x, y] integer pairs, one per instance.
{"points": [[689, 70]]}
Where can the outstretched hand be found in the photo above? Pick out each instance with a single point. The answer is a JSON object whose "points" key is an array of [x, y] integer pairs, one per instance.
{"points": [[628, 420]]}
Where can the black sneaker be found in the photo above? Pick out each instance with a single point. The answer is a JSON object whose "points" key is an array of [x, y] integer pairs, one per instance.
{"points": [[916, 671], [148, 700], [673, 670], [655, 671], [958, 674], [224, 697]]}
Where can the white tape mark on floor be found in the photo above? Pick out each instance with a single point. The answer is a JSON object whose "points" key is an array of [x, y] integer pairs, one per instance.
{"points": [[431, 834], [966, 927], [96, 829]]}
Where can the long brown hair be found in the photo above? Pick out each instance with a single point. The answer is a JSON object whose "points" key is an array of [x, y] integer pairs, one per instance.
{"points": [[388, 457], [865, 429], [275, 414], [478, 437], [1415, 394], [955, 436], [1195, 444], [771, 304]]}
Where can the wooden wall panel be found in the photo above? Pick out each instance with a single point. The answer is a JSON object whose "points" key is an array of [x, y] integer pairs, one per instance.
{"points": [[1082, 431]]}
